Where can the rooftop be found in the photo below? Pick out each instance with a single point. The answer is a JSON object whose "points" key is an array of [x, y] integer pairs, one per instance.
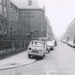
{"points": [[26, 4]]}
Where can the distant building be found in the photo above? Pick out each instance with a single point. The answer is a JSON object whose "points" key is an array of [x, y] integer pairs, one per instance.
{"points": [[70, 32], [49, 32]]}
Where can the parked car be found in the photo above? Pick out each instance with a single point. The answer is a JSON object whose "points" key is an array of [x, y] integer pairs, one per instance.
{"points": [[71, 43], [50, 45], [64, 41], [36, 48]]}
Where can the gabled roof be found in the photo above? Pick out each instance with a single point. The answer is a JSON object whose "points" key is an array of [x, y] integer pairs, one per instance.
{"points": [[23, 4]]}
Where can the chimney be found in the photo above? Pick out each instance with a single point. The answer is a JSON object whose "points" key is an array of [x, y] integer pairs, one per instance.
{"points": [[29, 2]]}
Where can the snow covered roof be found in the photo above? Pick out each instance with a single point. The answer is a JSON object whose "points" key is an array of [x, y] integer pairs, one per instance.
{"points": [[23, 4]]}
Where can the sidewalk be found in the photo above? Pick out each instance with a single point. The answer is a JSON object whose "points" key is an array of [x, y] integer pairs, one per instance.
{"points": [[15, 61]]}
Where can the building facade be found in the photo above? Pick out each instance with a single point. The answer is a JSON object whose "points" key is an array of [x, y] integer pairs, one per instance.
{"points": [[69, 35], [32, 21], [3, 18], [49, 32], [22, 18], [14, 22], [29, 18]]}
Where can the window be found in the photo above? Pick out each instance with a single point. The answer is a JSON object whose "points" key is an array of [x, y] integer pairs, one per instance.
{"points": [[1, 6], [14, 32], [0, 1], [11, 9], [32, 14], [35, 43], [32, 42], [21, 14], [11, 6], [0, 28], [16, 18], [26, 14], [11, 28], [1, 25], [5, 26], [11, 17], [5, 11], [16, 11], [5, 3]]}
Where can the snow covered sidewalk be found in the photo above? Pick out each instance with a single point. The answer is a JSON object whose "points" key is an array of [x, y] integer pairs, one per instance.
{"points": [[15, 61]]}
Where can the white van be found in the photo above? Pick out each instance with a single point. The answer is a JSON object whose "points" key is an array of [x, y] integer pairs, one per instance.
{"points": [[36, 48]]}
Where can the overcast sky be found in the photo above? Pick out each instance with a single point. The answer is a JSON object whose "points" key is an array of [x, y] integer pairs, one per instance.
{"points": [[60, 13]]}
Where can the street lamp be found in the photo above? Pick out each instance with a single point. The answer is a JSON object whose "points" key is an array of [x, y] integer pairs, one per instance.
{"points": [[29, 21], [29, 3]]}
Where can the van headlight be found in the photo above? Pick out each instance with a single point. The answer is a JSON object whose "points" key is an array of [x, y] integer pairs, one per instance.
{"points": [[29, 48]]}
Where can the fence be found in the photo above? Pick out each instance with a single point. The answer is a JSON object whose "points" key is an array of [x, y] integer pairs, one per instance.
{"points": [[7, 46]]}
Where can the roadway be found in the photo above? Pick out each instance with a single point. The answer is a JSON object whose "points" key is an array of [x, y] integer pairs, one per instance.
{"points": [[60, 61]]}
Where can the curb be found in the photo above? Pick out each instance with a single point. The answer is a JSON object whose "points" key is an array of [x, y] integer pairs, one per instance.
{"points": [[18, 66]]}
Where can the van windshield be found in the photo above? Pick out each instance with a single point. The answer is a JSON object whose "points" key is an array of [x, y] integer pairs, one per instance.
{"points": [[37, 43]]}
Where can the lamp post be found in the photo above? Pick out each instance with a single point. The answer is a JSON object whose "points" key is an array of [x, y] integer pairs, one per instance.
{"points": [[29, 22], [29, 3]]}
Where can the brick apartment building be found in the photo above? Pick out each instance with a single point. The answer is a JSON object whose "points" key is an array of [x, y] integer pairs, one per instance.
{"points": [[21, 18]]}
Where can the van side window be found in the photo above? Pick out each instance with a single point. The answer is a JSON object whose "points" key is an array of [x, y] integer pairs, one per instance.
{"points": [[32, 42], [36, 43]]}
